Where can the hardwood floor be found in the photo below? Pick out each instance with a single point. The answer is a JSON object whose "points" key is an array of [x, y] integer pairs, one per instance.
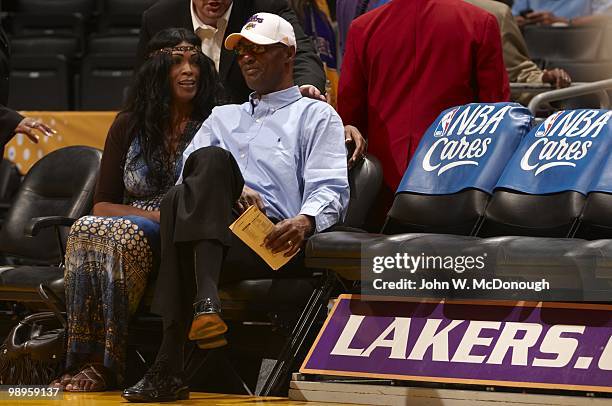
{"points": [[197, 398]]}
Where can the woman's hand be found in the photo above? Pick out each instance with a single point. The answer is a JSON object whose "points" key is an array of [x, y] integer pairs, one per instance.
{"points": [[28, 125]]}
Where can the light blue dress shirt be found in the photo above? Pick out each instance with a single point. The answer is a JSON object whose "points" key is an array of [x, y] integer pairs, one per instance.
{"points": [[560, 8], [290, 149]]}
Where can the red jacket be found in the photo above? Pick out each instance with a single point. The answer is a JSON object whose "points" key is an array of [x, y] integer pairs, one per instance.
{"points": [[406, 62]]}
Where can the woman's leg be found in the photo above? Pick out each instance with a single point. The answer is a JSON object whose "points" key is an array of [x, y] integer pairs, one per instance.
{"points": [[106, 274]]}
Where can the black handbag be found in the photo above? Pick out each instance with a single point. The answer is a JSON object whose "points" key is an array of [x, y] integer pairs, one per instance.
{"points": [[35, 349]]}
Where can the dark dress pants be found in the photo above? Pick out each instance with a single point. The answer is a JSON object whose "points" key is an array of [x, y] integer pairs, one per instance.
{"points": [[201, 209]]}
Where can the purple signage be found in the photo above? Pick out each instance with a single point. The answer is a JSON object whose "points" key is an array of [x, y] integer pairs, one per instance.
{"points": [[549, 345]]}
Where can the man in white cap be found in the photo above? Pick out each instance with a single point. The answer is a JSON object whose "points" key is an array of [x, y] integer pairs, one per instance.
{"points": [[279, 151]]}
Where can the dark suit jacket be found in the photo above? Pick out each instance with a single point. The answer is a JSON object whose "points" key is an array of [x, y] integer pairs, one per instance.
{"points": [[176, 13], [8, 118]]}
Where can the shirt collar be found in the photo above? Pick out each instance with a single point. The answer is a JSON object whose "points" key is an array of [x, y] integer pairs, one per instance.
{"points": [[275, 100], [221, 23]]}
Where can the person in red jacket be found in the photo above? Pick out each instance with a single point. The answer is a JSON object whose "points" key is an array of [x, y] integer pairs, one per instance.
{"points": [[406, 62]]}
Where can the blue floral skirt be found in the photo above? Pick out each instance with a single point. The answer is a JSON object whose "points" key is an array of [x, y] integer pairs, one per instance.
{"points": [[108, 261]]}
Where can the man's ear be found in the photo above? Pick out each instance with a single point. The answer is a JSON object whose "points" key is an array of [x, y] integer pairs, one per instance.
{"points": [[291, 52]]}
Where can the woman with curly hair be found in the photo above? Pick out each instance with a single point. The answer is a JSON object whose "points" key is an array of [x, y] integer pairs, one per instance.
{"points": [[111, 253]]}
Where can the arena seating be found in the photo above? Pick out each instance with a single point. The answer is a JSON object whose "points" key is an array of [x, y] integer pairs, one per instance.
{"points": [[516, 232], [85, 33], [569, 43], [40, 83]]}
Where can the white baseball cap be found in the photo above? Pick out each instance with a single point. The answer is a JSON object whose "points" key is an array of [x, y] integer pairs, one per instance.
{"points": [[264, 29]]}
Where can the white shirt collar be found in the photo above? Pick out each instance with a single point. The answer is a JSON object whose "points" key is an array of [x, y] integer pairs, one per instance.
{"points": [[221, 23]]}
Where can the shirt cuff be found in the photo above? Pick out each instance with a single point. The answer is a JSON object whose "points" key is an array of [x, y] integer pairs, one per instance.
{"points": [[322, 219]]}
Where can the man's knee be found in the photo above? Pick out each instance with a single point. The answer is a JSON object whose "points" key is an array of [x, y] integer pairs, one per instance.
{"points": [[208, 158], [213, 165]]}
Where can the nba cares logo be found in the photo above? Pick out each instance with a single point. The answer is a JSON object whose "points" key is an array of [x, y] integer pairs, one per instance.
{"points": [[463, 136], [547, 125], [564, 139], [445, 123]]}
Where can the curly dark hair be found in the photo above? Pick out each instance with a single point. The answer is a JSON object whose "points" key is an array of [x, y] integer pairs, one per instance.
{"points": [[149, 96]]}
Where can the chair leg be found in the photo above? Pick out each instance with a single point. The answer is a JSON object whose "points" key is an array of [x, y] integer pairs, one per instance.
{"points": [[317, 301], [197, 358]]}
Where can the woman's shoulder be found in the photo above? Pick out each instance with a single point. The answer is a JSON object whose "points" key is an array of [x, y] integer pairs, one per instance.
{"points": [[121, 133]]}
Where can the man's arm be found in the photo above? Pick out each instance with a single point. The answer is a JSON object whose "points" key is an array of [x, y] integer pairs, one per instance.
{"points": [[491, 76], [325, 175], [353, 86], [9, 120], [308, 69], [326, 189], [516, 57]]}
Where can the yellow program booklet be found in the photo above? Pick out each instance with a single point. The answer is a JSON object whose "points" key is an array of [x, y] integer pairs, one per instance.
{"points": [[252, 227]]}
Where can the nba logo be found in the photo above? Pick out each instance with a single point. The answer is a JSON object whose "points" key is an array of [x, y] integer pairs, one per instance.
{"points": [[445, 123], [547, 125]]}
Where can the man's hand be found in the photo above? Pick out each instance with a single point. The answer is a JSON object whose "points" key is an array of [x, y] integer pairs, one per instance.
{"points": [[352, 136], [312, 92], [249, 197], [28, 125], [557, 77], [544, 18], [289, 235]]}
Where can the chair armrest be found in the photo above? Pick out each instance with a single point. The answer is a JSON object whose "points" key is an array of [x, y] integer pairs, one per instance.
{"points": [[39, 223], [5, 206]]}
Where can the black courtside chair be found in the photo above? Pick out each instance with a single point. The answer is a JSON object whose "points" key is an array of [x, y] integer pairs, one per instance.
{"points": [[56, 191]]}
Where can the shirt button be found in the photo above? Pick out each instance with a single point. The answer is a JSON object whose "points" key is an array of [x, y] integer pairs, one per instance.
{"points": [[257, 121], [242, 155]]}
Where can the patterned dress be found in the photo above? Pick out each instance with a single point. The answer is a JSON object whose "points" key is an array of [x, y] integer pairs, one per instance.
{"points": [[108, 261]]}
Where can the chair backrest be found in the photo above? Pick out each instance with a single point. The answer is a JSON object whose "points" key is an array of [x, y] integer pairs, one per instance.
{"points": [[605, 49], [68, 46], [60, 184], [33, 76], [542, 190], [575, 43], [113, 44], [453, 171], [45, 25], [104, 78], [127, 6], [10, 178], [596, 219], [84, 7], [456, 213], [514, 213], [365, 179], [122, 16]]}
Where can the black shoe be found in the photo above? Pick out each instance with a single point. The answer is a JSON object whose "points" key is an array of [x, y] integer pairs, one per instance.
{"points": [[158, 385]]}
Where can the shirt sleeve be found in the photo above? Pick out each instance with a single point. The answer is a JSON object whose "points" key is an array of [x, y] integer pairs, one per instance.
{"points": [[110, 186], [201, 139], [353, 85], [516, 58], [325, 176], [492, 78]]}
